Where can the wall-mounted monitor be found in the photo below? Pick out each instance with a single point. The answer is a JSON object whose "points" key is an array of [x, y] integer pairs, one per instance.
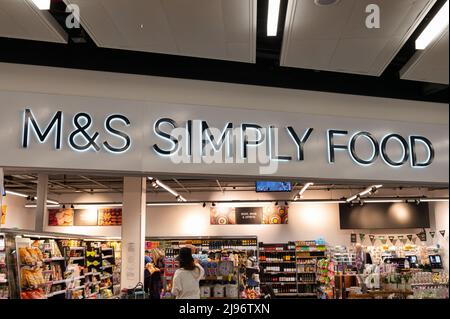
{"points": [[273, 186], [384, 216]]}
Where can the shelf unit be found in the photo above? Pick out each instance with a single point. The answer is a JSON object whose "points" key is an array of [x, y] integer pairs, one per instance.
{"points": [[63, 264], [290, 268], [224, 273], [4, 283], [277, 264], [307, 252]]}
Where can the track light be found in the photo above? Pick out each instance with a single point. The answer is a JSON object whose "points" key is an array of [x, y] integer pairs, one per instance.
{"points": [[417, 201], [156, 183], [304, 188], [204, 205], [286, 203], [213, 204], [276, 203], [434, 28], [71, 206], [17, 194], [64, 206], [368, 190]]}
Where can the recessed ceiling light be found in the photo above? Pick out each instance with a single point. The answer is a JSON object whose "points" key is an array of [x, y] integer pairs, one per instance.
{"points": [[325, 2]]}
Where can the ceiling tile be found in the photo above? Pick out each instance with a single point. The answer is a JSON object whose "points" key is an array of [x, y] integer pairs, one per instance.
{"points": [[23, 20], [338, 33]]}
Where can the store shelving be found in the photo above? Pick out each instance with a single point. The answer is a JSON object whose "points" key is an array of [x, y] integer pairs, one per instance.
{"points": [[227, 255], [4, 284], [307, 252], [60, 267]]}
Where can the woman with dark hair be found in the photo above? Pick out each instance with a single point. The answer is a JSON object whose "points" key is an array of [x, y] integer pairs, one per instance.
{"points": [[186, 281]]}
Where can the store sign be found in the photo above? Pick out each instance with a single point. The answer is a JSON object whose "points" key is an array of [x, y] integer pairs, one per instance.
{"points": [[70, 132], [269, 215]]}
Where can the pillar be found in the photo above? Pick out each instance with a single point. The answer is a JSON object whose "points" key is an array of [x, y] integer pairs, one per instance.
{"points": [[133, 231], [41, 204]]}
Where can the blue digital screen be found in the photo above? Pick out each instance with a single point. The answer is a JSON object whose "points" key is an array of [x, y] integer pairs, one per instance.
{"points": [[271, 186]]}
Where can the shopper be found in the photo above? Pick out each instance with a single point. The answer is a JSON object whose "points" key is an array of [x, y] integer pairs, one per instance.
{"points": [[155, 268], [186, 281], [147, 274]]}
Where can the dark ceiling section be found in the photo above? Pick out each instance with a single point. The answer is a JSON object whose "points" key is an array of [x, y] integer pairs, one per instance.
{"points": [[268, 49], [266, 72], [76, 35]]}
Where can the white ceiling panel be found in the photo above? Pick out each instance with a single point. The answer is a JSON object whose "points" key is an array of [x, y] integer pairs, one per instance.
{"points": [[431, 64], [21, 19], [335, 37], [217, 29]]}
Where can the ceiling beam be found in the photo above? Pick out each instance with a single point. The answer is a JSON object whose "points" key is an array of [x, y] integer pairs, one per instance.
{"points": [[181, 185]]}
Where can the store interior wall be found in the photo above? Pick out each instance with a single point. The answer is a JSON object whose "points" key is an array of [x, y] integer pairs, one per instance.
{"points": [[17, 216], [306, 220]]}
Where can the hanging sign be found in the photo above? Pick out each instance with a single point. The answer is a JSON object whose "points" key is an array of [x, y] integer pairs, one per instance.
{"points": [[372, 239], [402, 239], [382, 239], [422, 236], [362, 237], [442, 232], [410, 237], [392, 239], [353, 238], [432, 233]]}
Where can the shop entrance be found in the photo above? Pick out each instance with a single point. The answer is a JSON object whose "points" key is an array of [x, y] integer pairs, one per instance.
{"points": [[254, 238]]}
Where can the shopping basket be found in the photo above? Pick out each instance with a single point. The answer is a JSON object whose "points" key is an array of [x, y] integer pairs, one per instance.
{"points": [[137, 292]]}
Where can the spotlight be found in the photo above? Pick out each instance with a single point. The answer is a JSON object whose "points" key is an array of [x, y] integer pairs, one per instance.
{"points": [[286, 203], [154, 184], [417, 201], [276, 203], [204, 205], [361, 203], [71, 206], [63, 206], [213, 204]]}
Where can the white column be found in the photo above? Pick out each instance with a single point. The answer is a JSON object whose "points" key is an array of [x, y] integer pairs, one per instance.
{"points": [[42, 192], [133, 231]]}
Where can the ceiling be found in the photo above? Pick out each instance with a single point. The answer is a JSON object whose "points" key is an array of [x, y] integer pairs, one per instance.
{"points": [[323, 48], [60, 184], [21, 19], [216, 29], [431, 64], [335, 37]]}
